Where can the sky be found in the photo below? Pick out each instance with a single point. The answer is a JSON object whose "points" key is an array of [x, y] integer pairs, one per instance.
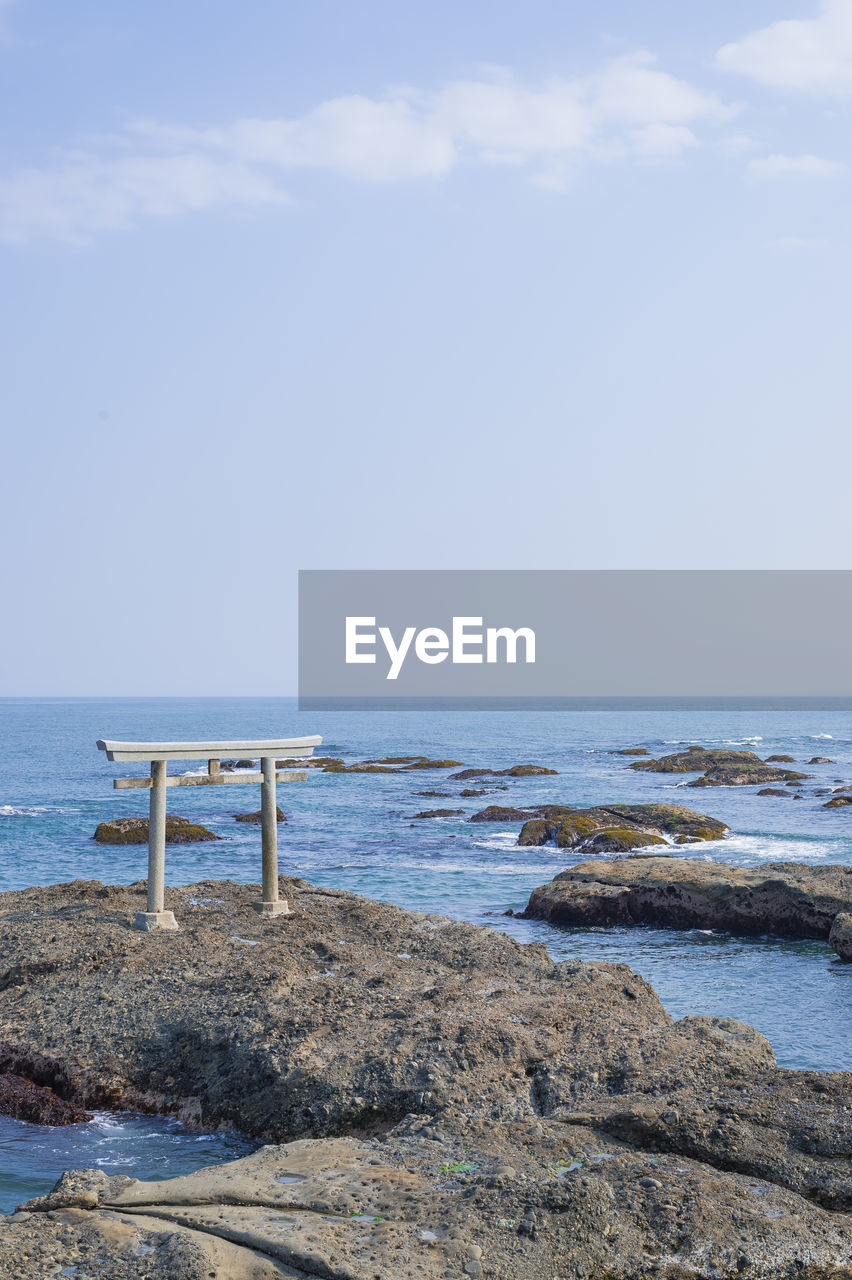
{"points": [[405, 284]]}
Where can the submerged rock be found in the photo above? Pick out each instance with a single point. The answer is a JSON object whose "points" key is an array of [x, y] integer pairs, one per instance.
{"points": [[616, 828], [23, 1100], [135, 831], [820, 760], [840, 937], [450, 1101], [785, 898], [839, 802], [257, 816], [630, 751], [782, 759], [775, 791], [439, 813]]}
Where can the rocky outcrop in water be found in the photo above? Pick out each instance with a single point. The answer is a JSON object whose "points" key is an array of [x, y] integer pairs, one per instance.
{"points": [[516, 771], [135, 831], [719, 767], [786, 898], [257, 815], [473, 1107], [617, 828], [390, 764]]}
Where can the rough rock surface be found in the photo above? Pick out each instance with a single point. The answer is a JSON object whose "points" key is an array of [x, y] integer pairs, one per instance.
{"points": [[257, 816], [24, 1100], [839, 802], [719, 767], [439, 813], [135, 831], [840, 937], [476, 1108], [616, 828], [428, 1201], [786, 898]]}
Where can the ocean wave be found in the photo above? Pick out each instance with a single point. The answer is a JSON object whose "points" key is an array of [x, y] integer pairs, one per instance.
{"points": [[24, 811], [736, 848], [821, 735]]}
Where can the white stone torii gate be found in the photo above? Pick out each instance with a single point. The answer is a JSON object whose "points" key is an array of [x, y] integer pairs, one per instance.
{"points": [[158, 754]]}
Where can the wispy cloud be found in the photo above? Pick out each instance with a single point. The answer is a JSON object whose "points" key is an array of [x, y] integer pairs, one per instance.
{"points": [[627, 108], [812, 54], [808, 166], [797, 244]]}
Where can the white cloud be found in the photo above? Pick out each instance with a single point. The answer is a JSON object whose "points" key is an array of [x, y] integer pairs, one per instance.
{"points": [[627, 108], [85, 194], [779, 166], [812, 54]]}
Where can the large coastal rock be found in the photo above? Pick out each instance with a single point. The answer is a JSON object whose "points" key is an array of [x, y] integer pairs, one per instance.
{"points": [[429, 1201], [135, 831], [719, 768], [617, 828], [786, 898], [473, 1107]]}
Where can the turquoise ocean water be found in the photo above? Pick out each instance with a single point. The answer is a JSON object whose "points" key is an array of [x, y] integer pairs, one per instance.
{"points": [[356, 832]]}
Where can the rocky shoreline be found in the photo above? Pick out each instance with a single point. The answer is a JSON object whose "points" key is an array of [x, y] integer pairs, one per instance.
{"points": [[450, 1103]]}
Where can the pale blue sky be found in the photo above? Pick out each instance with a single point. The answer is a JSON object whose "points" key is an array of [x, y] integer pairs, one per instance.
{"points": [[406, 285]]}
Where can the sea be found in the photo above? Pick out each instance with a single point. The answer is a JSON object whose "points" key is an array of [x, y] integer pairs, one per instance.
{"points": [[359, 832]]}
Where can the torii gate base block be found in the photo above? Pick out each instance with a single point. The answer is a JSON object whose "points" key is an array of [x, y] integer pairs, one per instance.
{"points": [[149, 920]]}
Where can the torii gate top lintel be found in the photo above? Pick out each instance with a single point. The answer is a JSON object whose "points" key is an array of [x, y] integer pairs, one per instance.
{"points": [[285, 747], [270, 752]]}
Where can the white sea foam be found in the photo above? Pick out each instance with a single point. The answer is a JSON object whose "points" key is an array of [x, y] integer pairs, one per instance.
{"points": [[737, 848], [25, 811], [501, 841], [821, 735]]}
